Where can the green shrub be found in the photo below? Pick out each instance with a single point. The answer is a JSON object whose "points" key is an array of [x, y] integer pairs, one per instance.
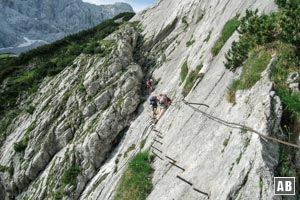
{"points": [[90, 47], [184, 71], [3, 168], [30, 109], [288, 61], [226, 33], [136, 180], [21, 145], [74, 49], [70, 175], [264, 29], [291, 4]]}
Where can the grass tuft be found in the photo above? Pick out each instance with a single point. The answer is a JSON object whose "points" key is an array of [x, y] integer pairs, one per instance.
{"points": [[184, 71], [208, 36], [190, 43], [252, 69], [226, 33], [135, 183], [239, 158], [191, 79]]}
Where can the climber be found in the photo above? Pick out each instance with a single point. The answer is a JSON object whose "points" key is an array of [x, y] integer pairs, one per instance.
{"points": [[153, 102], [164, 102], [150, 84]]}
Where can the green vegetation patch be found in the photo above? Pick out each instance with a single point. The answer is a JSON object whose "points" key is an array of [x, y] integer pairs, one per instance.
{"points": [[138, 26], [135, 183], [261, 185], [287, 62], [226, 33], [68, 178], [252, 69], [30, 109], [285, 166], [22, 144], [239, 158], [226, 141], [184, 71], [208, 36], [70, 175], [7, 55], [190, 43], [184, 21], [191, 79], [258, 30], [5, 122], [3, 168], [143, 142]]}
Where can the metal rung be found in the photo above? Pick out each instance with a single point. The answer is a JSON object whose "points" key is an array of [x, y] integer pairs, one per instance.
{"points": [[200, 191], [157, 131], [161, 137], [184, 180], [177, 166], [171, 159], [156, 148], [157, 155], [157, 141]]}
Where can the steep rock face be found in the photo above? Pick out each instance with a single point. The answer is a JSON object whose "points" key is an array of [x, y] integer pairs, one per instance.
{"points": [[79, 116], [221, 161], [29, 22]]}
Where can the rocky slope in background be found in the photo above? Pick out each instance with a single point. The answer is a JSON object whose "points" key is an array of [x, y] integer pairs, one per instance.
{"points": [[85, 121], [27, 24], [79, 116]]}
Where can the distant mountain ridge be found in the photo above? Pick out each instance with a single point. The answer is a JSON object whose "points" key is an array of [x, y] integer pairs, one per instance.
{"points": [[43, 21]]}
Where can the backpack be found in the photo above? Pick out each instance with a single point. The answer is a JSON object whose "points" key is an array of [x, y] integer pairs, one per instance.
{"points": [[153, 100], [163, 99]]}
